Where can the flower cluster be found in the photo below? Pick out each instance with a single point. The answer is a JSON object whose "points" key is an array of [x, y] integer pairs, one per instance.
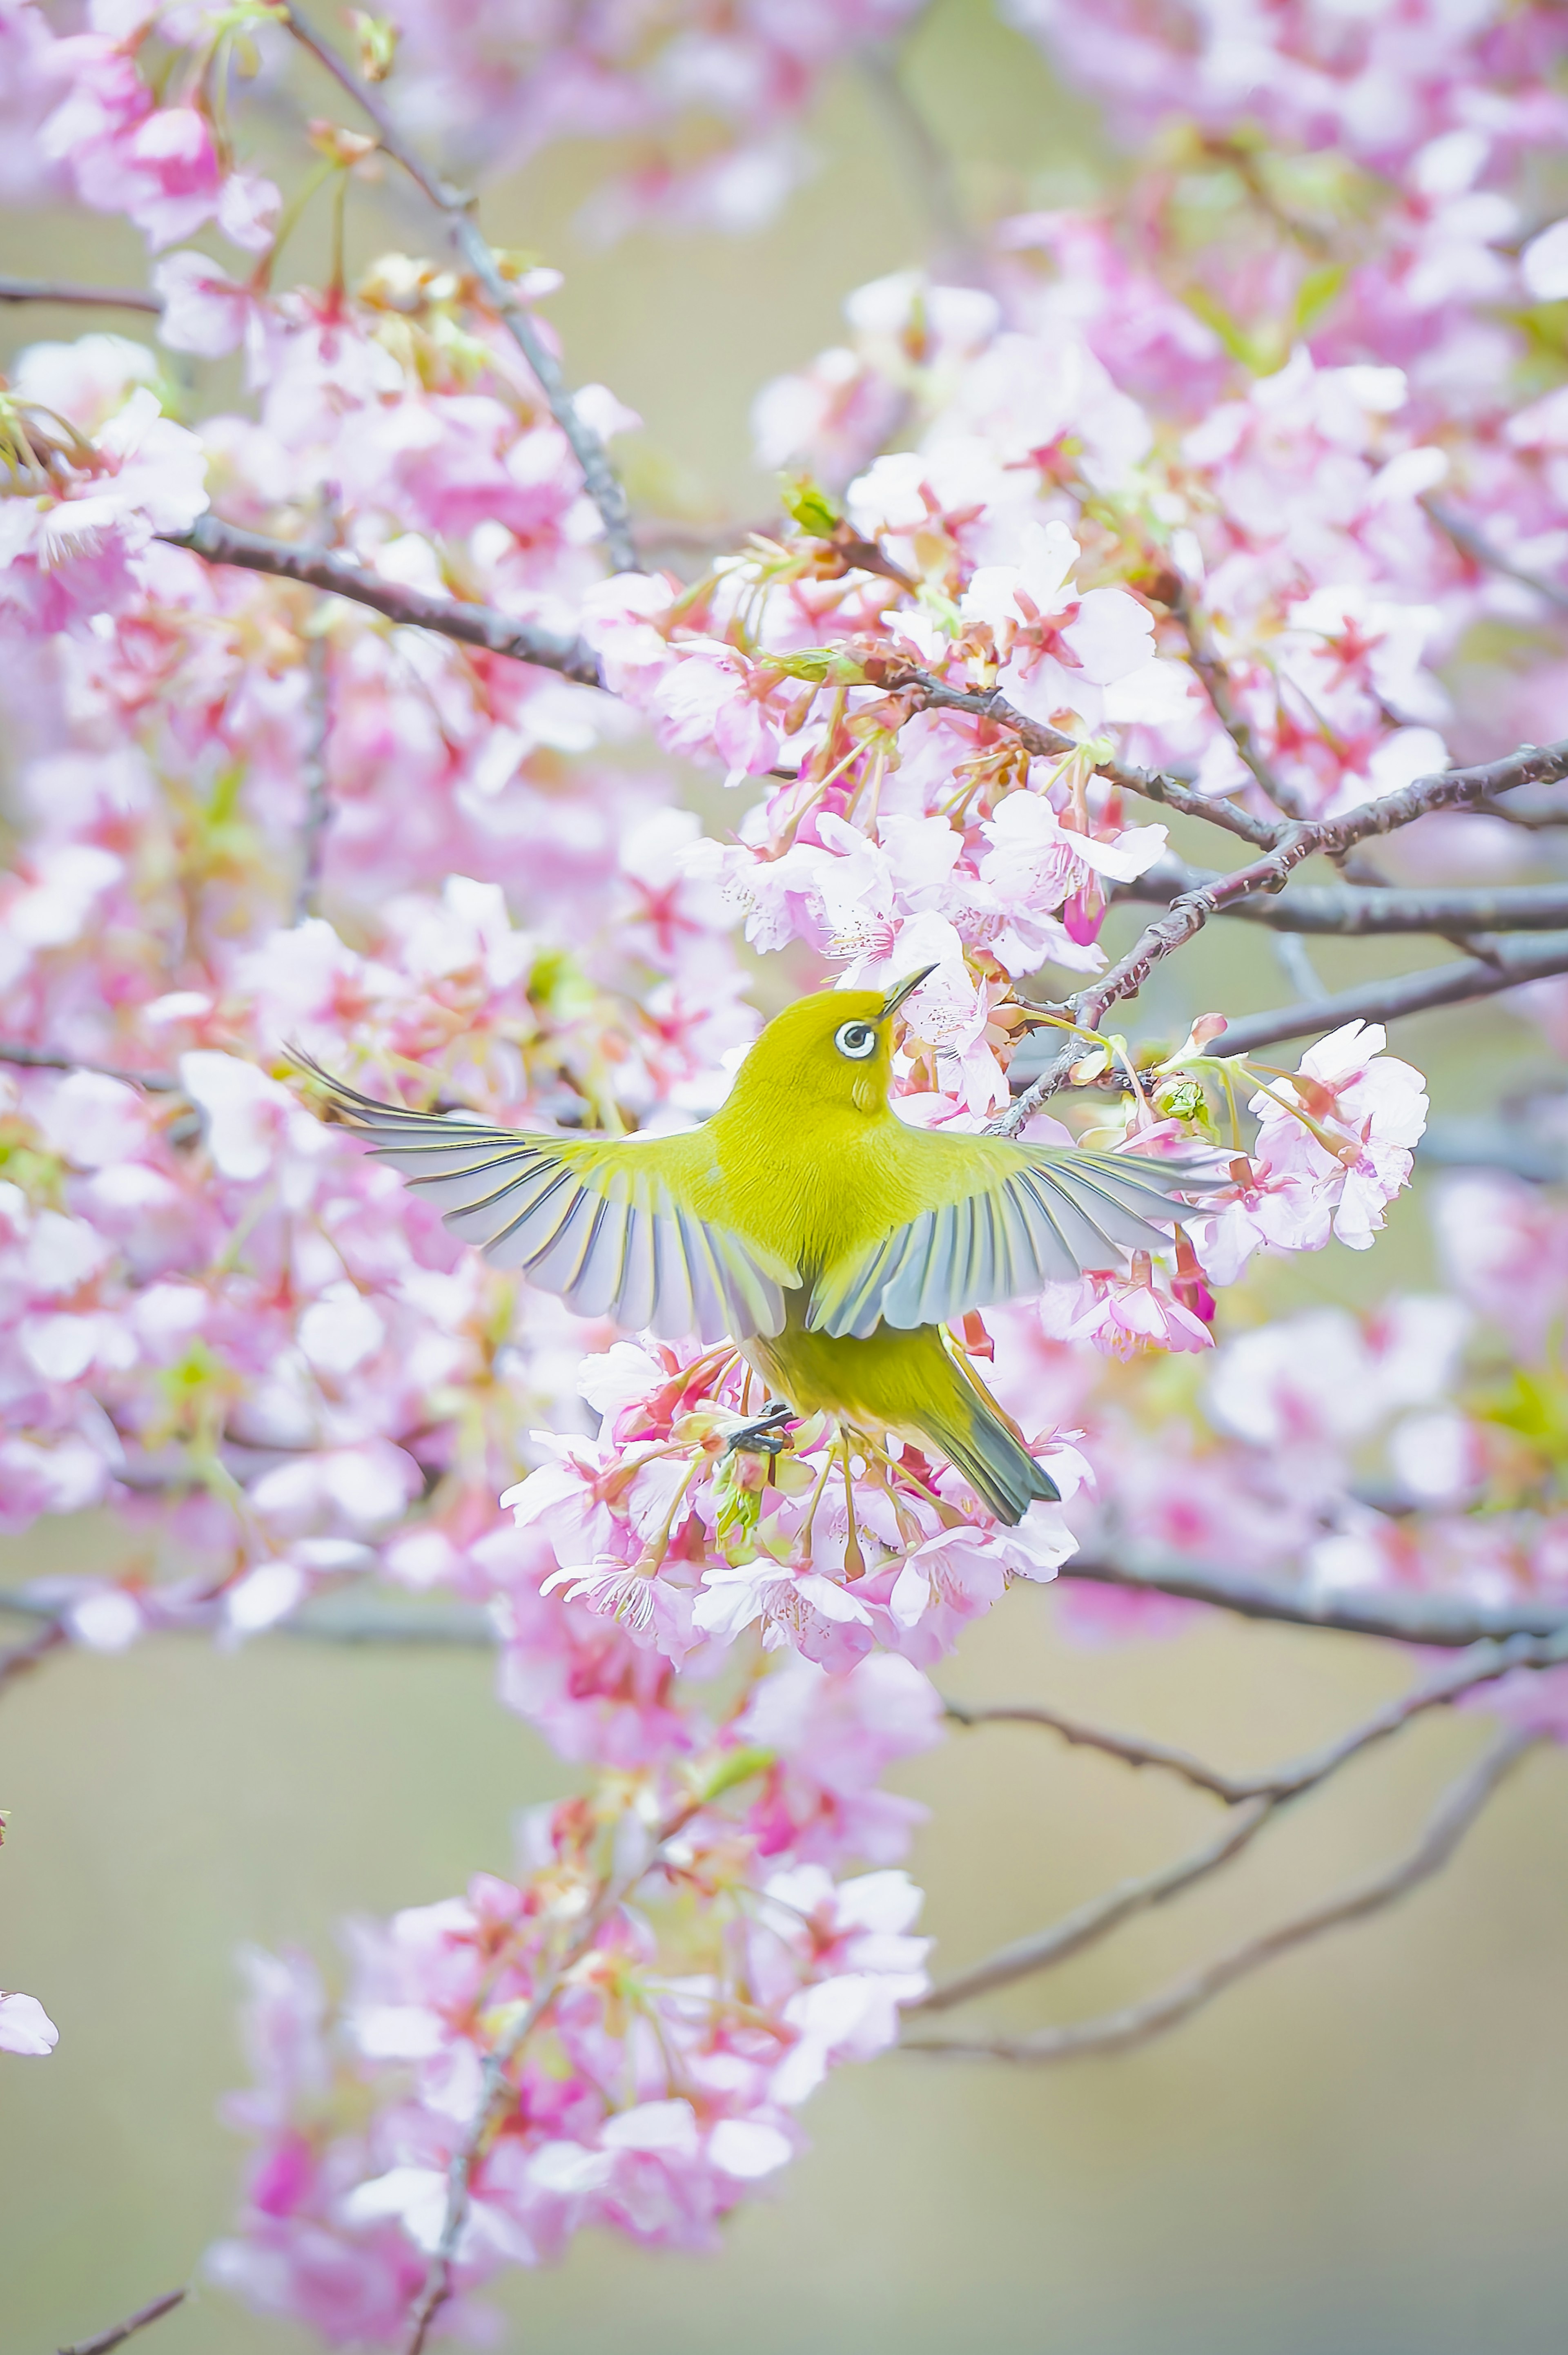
{"points": [[701, 1972]]}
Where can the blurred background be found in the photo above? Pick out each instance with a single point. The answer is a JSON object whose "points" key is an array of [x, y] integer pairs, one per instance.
{"points": [[1359, 2152]]}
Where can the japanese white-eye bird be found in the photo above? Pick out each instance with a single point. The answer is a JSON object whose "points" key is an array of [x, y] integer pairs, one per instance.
{"points": [[805, 1221]]}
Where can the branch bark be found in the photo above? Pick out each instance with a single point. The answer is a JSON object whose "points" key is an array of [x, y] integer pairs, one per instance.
{"points": [[339, 576], [65, 290], [17, 1661], [1402, 1618], [1091, 1922], [1455, 984], [599, 478], [923, 692], [1481, 1665], [1119, 2031], [494, 2089], [1191, 911], [1217, 686], [1351, 911], [119, 2332], [1480, 552], [45, 1059]]}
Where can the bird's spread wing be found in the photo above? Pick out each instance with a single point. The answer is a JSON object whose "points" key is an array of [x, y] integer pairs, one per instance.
{"points": [[595, 1219], [1004, 1220]]}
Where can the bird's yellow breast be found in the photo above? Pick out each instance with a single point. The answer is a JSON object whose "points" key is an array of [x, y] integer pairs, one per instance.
{"points": [[811, 1185]]}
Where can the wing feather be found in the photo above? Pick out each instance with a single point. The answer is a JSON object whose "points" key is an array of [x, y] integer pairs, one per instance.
{"points": [[1006, 1221], [596, 1220]]}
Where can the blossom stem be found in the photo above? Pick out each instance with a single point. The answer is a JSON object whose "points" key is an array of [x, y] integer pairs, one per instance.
{"points": [[493, 2086], [599, 479]]}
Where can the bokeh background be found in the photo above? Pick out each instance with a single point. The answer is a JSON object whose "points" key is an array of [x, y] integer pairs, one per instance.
{"points": [[1360, 2152]]}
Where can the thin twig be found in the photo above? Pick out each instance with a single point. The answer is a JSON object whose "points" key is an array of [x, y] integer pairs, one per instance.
{"points": [[1455, 984], [1434, 1620], [1117, 2031], [923, 692], [1475, 544], [94, 298], [1091, 1922], [339, 576], [928, 166], [1131, 1749], [119, 2332], [1187, 915], [313, 775], [45, 1059], [495, 2090], [1351, 911], [21, 1657], [1481, 1665], [1217, 686], [600, 477], [1401, 1618]]}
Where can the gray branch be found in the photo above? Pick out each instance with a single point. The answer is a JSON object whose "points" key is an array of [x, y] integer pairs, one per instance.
{"points": [[1119, 2031], [1398, 1618], [1481, 1665], [1091, 1922], [1455, 984], [119, 2332], [1351, 911], [1475, 544], [84, 298], [1187, 914], [600, 477], [339, 576], [45, 1059]]}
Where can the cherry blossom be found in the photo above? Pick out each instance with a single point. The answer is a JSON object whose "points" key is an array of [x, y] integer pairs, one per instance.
{"points": [[26, 2026]]}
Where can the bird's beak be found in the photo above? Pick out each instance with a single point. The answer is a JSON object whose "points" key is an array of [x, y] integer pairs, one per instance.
{"points": [[906, 988]]}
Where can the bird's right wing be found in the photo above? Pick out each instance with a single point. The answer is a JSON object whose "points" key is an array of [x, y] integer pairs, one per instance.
{"points": [[597, 1221], [1003, 1221]]}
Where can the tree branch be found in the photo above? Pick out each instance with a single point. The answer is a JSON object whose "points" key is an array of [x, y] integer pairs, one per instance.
{"points": [[119, 2332], [1401, 1618], [923, 692], [1352, 912], [493, 2086], [1217, 686], [95, 298], [1455, 984], [1480, 552], [43, 1058], [340, 576], [1483, 1664], [1118, 2031], [1191, 911], [600, 477], [21, 1657], [928, 166], [1091, 1922]]}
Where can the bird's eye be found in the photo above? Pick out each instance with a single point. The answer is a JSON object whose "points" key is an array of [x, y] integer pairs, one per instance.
{"points": [[855, 1039]]}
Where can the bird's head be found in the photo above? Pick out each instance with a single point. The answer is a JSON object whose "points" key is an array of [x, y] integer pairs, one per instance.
{"points": [[833, 1048]]}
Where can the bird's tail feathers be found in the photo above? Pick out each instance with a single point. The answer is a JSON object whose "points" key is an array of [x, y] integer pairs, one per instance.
{"points": [[996, 1463]]}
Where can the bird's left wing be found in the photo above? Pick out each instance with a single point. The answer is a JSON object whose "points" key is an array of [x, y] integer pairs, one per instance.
{"points": [[1003, 1221], [605, 1222]]}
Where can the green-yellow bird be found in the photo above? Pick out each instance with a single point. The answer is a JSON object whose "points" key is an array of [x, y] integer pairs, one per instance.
{"points": [[806, 1221]]}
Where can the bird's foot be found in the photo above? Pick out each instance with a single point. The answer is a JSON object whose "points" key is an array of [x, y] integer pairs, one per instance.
{"points": [[766, 1436]]}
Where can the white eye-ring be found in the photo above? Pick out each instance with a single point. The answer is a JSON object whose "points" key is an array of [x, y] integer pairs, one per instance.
{"points": [[855, 1039]]}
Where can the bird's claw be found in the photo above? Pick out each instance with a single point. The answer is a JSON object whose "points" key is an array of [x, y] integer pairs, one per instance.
{"points": [[766, 1436]]}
